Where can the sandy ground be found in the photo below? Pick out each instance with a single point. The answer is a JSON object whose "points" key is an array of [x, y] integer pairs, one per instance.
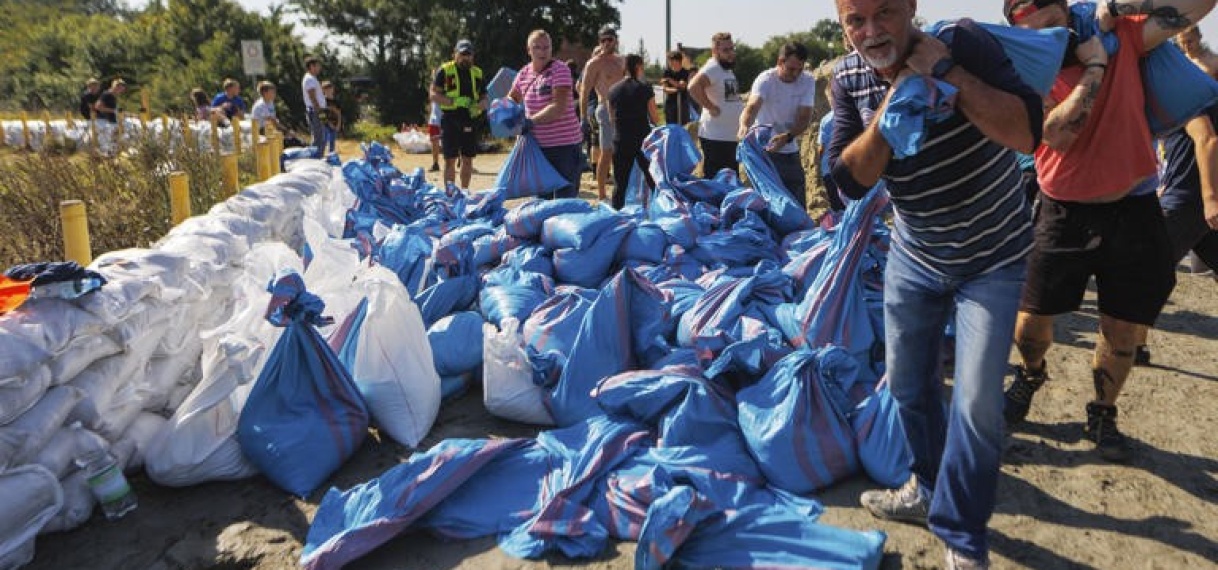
{"points": [[1059, 506]]}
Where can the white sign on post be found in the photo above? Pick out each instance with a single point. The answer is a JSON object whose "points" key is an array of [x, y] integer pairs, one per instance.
{"points": [[251, 57]]}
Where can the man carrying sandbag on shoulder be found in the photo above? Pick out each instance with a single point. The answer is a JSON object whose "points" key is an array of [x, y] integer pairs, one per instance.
{"points": [[961, 236], [1098, 214], [461, 93]]}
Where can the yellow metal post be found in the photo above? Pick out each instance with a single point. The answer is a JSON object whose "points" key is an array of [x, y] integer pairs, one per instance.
{"points": [[276, 152], [179, 196], [215, 135], [25, 132], [68, 121], [93, 130], [144, 108], [237, 136], [75, 222], [262, 159], [228, 170], [46, 124]]}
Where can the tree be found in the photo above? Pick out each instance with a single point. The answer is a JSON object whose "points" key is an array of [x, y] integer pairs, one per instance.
{"points": [[400, 42]]}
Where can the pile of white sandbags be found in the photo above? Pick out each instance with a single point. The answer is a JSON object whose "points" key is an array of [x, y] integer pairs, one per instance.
{"points": [[153, 367], [38, 134]]}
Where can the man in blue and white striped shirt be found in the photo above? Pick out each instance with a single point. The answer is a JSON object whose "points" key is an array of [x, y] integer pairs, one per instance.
{"points": [[962, 232]]}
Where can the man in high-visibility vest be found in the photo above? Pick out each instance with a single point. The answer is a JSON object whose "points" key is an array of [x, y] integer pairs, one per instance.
{"points": [[459, 90]]}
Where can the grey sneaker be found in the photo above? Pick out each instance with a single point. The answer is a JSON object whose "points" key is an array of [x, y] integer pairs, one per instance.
{"points": [[1102, 430], [1017, 400], [957, 560], [907, 504]]}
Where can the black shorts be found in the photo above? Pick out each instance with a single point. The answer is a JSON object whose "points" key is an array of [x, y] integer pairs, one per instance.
{"points": [[1124, 245], [458, 135]]}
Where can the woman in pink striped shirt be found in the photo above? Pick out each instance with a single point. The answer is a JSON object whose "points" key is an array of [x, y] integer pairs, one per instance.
{"points": [[547, 90]]}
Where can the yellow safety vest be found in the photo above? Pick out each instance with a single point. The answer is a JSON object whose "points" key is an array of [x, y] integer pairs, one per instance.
{"points": [[452, 86]]}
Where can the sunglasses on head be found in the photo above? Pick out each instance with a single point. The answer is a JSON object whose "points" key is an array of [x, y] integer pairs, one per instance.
{"points": [[1024, 11]]}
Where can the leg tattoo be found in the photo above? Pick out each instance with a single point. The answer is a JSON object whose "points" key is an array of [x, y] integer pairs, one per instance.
{"points": [[1105, 385]]}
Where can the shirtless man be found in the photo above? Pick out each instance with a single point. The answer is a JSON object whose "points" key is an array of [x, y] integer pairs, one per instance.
{"points": [[1190, 42], [601, 73]]}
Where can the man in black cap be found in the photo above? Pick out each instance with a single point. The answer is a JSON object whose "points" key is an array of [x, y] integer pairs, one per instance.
{"points": [[601, 73], [459, 90]]}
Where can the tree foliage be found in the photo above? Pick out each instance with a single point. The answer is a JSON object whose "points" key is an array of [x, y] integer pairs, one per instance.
{"points": [[51, 47], [398, 43]]}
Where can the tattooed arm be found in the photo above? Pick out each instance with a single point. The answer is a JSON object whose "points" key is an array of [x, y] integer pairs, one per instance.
{"points": [[1166, 17], [1064, 122]]}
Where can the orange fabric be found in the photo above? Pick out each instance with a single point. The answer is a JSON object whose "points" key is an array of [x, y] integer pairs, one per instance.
{"points": [[12, 293], [1114, 151]]}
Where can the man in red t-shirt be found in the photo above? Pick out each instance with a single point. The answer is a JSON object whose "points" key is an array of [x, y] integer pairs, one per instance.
{"points": [[1098, 215]]}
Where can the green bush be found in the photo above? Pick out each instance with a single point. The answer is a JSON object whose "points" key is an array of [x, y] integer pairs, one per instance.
{"points": [[366, 131], [127, 196]]}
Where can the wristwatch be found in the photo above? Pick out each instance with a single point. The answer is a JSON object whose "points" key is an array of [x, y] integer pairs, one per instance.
{"points": [[942, 67]]}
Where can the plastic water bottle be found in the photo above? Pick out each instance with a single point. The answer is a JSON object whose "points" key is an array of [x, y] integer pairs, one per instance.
{"points": [[108, 484]]}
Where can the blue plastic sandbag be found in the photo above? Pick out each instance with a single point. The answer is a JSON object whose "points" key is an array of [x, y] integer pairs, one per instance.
{"points": [[623, 330], [447, 296], [456, 343], [795, 421], [527, 172], [506, 118], [577, 231], [1176, 89], [883, 449], [1036, 54], [304, 416], [917, 102], [590, 266], [646, 242], [784, 214], [526, 220]]}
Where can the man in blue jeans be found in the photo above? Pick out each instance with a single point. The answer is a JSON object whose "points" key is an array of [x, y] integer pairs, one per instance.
{"points": [[962, 232]]}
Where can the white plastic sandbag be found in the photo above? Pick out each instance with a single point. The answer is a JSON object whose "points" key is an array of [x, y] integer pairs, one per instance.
{"points": [[31, 497], [508, 390], [391, 362]]}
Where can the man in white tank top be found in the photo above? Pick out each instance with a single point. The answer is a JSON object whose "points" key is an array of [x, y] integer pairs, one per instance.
{"points": [[716, 90]]}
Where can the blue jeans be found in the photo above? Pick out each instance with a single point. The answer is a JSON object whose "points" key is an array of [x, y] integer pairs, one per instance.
{"points": [[956, 451], [317, 130], [567, 161], [331, 138]]}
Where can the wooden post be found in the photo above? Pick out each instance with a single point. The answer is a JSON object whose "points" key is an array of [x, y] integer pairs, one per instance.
{"points": [[75, 222], [168, 133], [229, 175], [179, 196]]}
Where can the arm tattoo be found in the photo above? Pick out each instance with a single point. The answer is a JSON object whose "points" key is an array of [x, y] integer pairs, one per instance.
{"points": [[1168, 17], [1093, 90]]}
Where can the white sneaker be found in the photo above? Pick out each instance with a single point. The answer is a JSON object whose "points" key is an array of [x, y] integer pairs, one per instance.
{"points": [[957, 560]]}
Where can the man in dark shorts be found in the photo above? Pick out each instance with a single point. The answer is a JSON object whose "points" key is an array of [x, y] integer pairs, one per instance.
{"points": [[1098, 215], [88, 98], [459, 89]]}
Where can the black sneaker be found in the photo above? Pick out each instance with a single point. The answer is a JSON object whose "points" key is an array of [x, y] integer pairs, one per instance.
{"points": [[1141, 355], [1102, 430], [435, 167], [1017, 400]]}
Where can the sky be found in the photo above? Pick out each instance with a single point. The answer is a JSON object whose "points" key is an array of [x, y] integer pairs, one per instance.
{"points": [[750, 21]]}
